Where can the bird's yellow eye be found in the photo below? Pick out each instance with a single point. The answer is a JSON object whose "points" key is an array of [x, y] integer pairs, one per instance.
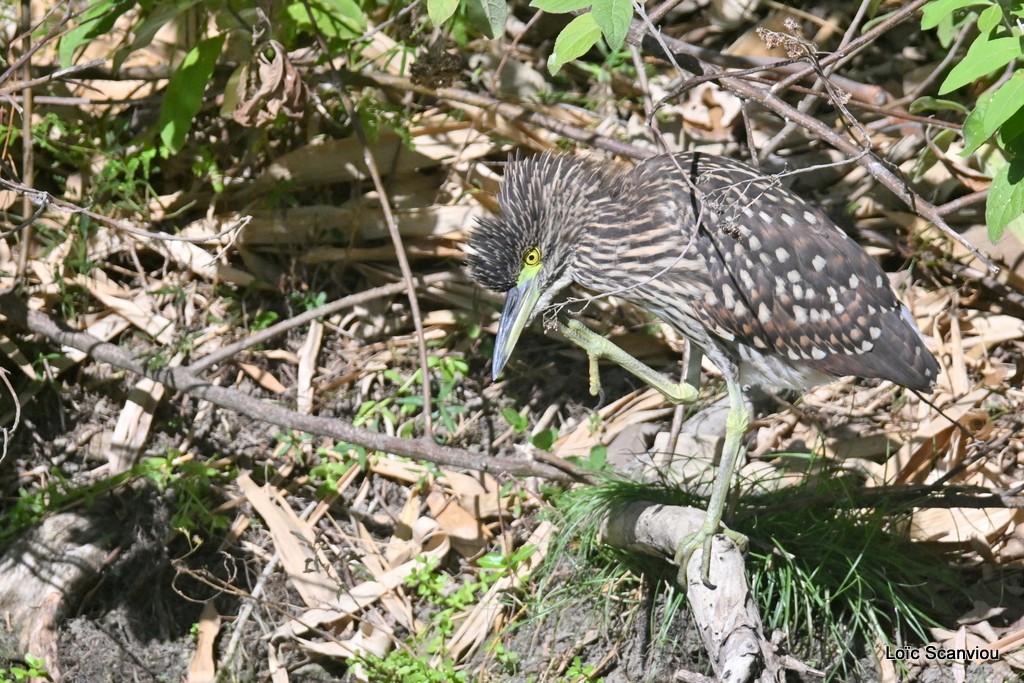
{"points": [[531, 257]]}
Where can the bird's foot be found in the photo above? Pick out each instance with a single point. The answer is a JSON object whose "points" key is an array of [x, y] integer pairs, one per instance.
{"points": [[702, 538], [598, 347]]}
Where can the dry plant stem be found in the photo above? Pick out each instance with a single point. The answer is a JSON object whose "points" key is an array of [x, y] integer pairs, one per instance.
{"points": [[60, 73], [183, 380], [978, 197], [400, 255], [811, 99], [57, 28], [229, 351], [28, 152], [513, 112], [661, 10], [855, 46], [47, 200]]}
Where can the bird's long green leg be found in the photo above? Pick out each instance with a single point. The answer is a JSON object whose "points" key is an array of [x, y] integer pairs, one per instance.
{"points": [[735, 427], [598, 347]]}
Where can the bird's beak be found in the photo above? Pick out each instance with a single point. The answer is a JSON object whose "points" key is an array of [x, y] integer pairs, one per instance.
{"points": [[519, 304]]}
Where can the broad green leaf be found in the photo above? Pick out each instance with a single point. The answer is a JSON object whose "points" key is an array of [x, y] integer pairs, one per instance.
{"points": [[441, 11], [934, 12], [578, 36], [545, 438], [982, 58], [1011, 130], [1005, 207], [990, 18], [336, 18], [560, 6], [494, 12], [974, 125], [184, 95], [614, 17], [992, 111], [348, 10], [929, 157], [94, 22], [160, 16]]}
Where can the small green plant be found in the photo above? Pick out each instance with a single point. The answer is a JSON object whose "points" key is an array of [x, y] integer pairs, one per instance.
{"points": [[308, 300], [578, 670], [447, 407], [606, 18], [545, 438], [998, 115], [597, 460], [35, 667], [488, 15], [518, 422], [193, 482], [413, 661], [335, 463]]}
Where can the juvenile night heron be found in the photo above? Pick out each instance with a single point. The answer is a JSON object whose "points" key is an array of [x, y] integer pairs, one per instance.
{"points": [[763, 283]]}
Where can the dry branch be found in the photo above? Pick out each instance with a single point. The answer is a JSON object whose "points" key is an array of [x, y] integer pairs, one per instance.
{"points": [[183, 380]]}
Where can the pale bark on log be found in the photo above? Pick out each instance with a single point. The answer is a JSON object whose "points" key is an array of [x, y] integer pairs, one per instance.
{"points": [[727, 616]]}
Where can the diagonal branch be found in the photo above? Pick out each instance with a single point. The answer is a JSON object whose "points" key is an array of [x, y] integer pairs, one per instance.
{"points": [[183, 380]]}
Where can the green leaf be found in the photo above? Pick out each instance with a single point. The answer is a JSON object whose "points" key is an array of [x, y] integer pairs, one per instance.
{"points": [[929, 157], [578, 36], [1011, 130], [94, 22], [143, 34], [991, 17], [441, 11], [184, 95], [982, 58], [992, 111], [598, 457], [493, 560], [493, 12], [934, 12], [341, 19], [1005, 207], [544, 439], [560, 6], [614, 17], [517, 421], [928, 103]]}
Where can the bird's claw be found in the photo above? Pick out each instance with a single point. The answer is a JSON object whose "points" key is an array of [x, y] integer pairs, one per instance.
{"points": [[702, 538]]}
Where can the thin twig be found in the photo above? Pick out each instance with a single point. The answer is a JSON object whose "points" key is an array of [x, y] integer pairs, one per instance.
{"points": [[400, 255], [47, 200], [264, 335], [396, 236], [865, 39], [962, 202]]}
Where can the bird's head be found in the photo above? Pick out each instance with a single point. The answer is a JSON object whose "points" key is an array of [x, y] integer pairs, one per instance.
{"points": [[529, 251]]}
